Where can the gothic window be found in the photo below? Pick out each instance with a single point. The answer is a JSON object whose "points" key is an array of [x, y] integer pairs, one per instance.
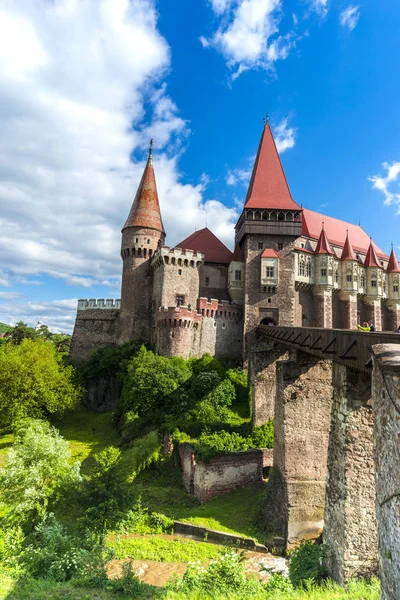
{"points": [[323, 272], [273, 216], [258, 215], [238, 275], [395, 287], [301, 268], [281, 216], [173, 260], [260, 245], [308, 268], [362, 281], [349, 278], [180, 300], [373, 281], [280, 246], [269, 271], [180, 262]]}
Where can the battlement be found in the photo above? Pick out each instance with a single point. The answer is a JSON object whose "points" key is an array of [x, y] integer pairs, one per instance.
{"points": [[178, 256], [84, 304], [177, 316], [218, 309]]}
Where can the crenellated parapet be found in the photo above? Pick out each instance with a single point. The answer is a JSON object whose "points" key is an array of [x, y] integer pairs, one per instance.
{"points": [[91, 304], [180, 257], [177, 316], [218, 309]]}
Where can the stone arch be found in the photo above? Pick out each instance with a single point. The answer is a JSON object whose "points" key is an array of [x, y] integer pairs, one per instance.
{"points": [[268, 321]]}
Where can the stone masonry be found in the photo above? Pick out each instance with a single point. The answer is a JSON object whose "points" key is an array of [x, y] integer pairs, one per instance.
{"points": [[386, 405]]}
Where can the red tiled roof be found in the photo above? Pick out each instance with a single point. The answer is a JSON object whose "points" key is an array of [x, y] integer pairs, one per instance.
{"points": [[237, 253], [371, 260], [323, 246], [269, 253], [206, 242], [268, 187], [145, 211], [336, 231], [348, 252], [393, 265]]}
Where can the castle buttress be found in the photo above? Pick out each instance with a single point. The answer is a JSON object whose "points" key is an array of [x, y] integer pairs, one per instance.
{"points": [[290, 266]]}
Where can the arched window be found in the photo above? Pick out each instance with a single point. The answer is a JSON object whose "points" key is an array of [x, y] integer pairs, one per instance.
{"points": [[257, 215], [308, 268], [281, 216]]}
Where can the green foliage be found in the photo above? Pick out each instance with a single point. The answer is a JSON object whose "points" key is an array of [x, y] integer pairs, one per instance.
{"points": [[306, 563], [163, 549], [140, 520], [108, 362], [107, 495], [20, 332], [4, 328], [38, 470], [207, 363], [238, 377], [263, 436], [144, 452], [149, 380], [34, 382], [277, 584]]}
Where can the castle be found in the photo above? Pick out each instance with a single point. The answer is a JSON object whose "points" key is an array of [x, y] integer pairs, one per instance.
{"points": [[290, 266]]}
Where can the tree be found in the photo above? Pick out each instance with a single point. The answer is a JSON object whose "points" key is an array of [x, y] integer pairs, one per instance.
{"points": [[21, 332], [37, 472], [149, 380], [33, 382]]}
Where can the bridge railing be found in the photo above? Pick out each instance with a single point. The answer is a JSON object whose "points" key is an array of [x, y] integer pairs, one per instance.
{"points": [[349, 347]]}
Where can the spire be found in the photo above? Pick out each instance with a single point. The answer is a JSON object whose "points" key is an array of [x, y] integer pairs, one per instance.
{"points": [[348, 252], [393, 265], [371, 260], [323, 246], [145, 211], [268, 187]]}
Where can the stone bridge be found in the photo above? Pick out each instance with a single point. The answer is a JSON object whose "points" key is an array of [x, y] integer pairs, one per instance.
{"points": [[322, 387]]}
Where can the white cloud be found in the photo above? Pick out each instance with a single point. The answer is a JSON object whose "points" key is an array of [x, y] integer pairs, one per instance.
{"points": [[81, 88], [248, 38], [285, 137], [236, 176], [58, 315], [220, 6], [320, 7], [386, 184], [349, 16], [9, 295]]}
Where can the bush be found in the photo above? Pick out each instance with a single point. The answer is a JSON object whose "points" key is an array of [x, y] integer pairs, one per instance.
{"points": [[108, 362], [306, 563], [263, 436], [209, 445], [238, 377], [140, 520], [38, 471]]}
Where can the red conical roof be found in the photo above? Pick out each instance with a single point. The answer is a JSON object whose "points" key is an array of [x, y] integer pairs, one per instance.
{"points": [[237, 253], [371, 260], [348, 252], [323, 246], [145, 211], [393, 265], [206, 242], [268, 187]]}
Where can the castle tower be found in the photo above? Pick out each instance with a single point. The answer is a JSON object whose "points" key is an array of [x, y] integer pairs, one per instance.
{"points": [[270, 220], [393, 294], [142, 235], [352, 282], [324, 277], [375, 284]]}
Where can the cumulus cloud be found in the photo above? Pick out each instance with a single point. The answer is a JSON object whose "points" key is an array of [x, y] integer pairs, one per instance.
{"points": [[236, 176], [82, 89], [320, 7], [285, 136], [58, 315], [349, 16], [247, 35], [388, 184]]}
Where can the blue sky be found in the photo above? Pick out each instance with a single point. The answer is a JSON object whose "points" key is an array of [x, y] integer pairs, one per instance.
{"points": [[85, 84]]}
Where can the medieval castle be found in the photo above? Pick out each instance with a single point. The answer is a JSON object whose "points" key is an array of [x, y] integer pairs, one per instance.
{"points": [[290, 266]]}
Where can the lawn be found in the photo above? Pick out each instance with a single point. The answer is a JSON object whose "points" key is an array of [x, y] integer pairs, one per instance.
{"points": [[163, 548]]}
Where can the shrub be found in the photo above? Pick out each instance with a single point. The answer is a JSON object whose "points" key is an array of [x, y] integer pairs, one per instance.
{"points": [[306, 563], [38, 472], [238, 377], [263, 436], [108, 362], [209, 445]]}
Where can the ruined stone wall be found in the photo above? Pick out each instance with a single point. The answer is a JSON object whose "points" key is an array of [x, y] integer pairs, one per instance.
{"points": [[386, 405], [295, 496], [94, 328], [350, 525], [223, 474]]}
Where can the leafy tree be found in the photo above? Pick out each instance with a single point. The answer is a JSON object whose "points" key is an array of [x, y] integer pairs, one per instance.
{"points": [[37, 472], [21, 332], [33, 382], [109, 361], [149, 380]]}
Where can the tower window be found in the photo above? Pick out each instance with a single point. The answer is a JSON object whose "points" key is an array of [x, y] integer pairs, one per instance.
{"points": [[373, 283], [148, 241], [137, 240], [179, 271], [349, 278], [260, 245], [238, 275], [280, 246], [323, 272], [180, 300], [395, 288], [207, 281]]}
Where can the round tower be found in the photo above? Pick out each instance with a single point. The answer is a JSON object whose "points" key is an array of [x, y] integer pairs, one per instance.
{"points": [[142, 235]]}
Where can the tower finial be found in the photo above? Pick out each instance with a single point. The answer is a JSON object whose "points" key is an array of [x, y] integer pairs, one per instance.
{"points": [[323, 225], [266, 119], [151, 148]]}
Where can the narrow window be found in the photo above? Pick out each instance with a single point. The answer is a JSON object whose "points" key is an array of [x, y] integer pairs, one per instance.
{"points": [[323, 272], [207, 281], [280, 246], [180, 300], [349, 278], [270, 271], [148, 241], [260, 245], [308, 270], [373, 282], [179, 271], [395, 288], [238, 275]]}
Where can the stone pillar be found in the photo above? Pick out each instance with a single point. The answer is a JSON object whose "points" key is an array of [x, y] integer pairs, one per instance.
{"points": [[323, 307], [295, 495], [350, 523], [262, 376], [386, 405], [393, 307], [373, 311], [348, 302]]}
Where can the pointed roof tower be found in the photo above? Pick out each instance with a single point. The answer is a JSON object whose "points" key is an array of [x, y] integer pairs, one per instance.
{"points": [[323, 246], [268, 187], [371, 260], [145, 211], [393, 265], [348, 252]]}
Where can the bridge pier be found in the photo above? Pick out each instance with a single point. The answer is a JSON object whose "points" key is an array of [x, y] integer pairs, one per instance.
{"points": [[374, 311], [350, 523], [386, 405], [262, 375], [295, 498], [348, 305], [323, 307]]}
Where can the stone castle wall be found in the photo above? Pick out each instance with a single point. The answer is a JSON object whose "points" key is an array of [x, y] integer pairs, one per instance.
{"points": [[94, 328]]}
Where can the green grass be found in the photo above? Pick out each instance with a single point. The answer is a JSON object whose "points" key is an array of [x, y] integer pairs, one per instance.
{"points": [[163, 549]]}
